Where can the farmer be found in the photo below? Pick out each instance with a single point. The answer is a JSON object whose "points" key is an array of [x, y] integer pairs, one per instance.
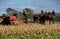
{"points": [[25, 16]]}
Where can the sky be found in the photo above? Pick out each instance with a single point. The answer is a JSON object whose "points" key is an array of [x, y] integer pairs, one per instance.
{"points": [[36, 5]]}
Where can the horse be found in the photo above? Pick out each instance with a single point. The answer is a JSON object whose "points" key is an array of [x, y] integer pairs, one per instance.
{"points": [[36, 18], [50, 17], [39, 18], [5, 21], [42, 18]]}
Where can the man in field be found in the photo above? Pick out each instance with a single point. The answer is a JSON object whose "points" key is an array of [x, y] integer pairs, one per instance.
{"points": [[25, 16]]}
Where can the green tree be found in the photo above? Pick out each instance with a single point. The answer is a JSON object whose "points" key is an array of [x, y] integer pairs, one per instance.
{"points": [[29, 13], [11, 11]]}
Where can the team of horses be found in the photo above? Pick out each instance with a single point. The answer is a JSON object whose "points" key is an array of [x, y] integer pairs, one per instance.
{"points": [[43, 17]]}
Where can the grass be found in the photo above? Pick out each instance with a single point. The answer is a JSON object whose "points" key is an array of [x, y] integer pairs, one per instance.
{"points": [[30, 31], [32, 35]]}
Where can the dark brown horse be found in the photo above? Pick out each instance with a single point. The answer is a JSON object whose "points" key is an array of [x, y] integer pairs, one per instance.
{"points": [[36, 17], [50, 17], [39, 18], [6, 21]]}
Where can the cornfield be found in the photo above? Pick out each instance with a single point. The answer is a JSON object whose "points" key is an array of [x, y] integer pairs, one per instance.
{"points": [[30, 31]]}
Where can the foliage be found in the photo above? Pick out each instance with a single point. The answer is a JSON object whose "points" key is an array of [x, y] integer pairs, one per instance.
{"points": [[11, 11], [31, 36], [30, 12]]}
